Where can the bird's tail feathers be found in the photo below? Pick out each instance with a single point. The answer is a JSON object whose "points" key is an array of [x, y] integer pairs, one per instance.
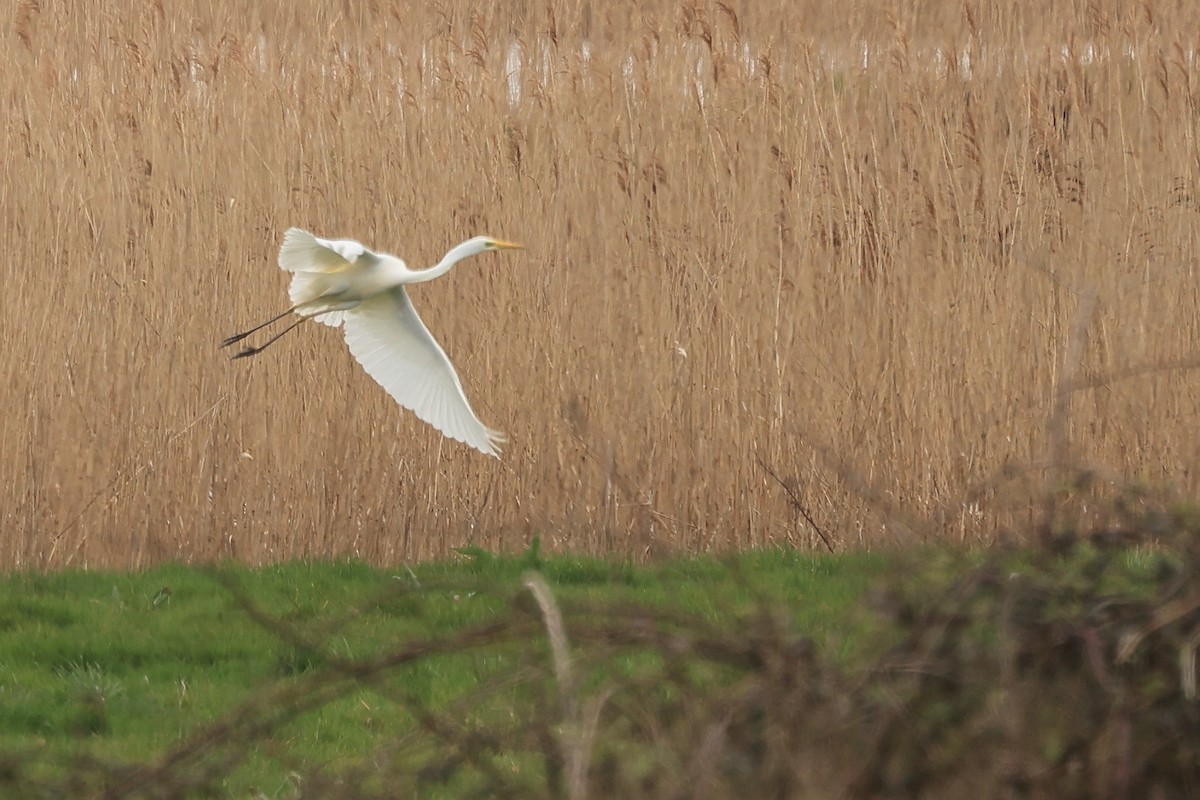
{"points": [[306, 288]]}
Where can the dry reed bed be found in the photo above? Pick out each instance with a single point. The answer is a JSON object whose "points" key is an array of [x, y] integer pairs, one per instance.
{"points": [[746, 253]]}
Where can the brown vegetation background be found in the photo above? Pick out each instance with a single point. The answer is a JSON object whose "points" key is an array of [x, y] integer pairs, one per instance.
{"points": [[864, 248]]}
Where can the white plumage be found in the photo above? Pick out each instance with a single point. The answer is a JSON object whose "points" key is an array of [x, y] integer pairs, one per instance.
{"points": [[396, 349], [342, 283]]}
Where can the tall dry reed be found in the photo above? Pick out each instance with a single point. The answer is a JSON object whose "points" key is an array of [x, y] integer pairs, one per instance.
{"points": [[802, 271]]}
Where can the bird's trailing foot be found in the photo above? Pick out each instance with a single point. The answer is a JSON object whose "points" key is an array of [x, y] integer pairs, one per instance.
{"points": [[251, 351]]}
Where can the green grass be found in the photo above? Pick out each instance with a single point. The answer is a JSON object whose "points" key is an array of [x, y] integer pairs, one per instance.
{"points": [[108, 665], [338, 680]]}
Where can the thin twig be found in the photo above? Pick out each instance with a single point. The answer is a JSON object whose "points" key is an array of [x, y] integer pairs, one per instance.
{"points": [[1059, 414], [796, 503]]}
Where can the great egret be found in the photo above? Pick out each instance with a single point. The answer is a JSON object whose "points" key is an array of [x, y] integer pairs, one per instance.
{"points": [[340, 282]]}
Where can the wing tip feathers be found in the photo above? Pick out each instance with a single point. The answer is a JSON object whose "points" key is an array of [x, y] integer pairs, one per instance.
{"points": [[495, 441]]}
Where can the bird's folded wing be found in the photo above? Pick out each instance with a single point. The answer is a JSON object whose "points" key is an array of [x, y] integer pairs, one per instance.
{"points": [[396, 349], [303, 252]]}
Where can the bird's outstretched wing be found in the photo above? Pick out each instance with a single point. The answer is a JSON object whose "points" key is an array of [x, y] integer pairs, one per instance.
{"points": [[315, 264], [396, 349]]}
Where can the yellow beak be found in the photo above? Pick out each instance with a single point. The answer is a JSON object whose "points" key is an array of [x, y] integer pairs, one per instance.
{"points": [[503, 245]]}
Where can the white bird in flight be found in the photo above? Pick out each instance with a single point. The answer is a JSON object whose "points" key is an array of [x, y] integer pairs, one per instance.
{"points": [[339, 282]]}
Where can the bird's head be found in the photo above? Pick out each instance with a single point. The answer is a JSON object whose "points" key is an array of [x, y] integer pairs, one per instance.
{"points": [[473, 247], [487, 244]]}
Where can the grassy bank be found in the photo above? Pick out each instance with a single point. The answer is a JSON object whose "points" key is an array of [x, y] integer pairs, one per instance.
{"points": [[124, 667], [1063, 670]]}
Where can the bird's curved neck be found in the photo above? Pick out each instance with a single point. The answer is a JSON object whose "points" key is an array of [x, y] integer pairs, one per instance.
{"points": [[455, 255]]}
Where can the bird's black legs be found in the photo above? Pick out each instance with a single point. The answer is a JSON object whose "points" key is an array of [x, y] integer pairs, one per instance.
{"points": [[237, 337], [253, 351], [250, 351]]}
